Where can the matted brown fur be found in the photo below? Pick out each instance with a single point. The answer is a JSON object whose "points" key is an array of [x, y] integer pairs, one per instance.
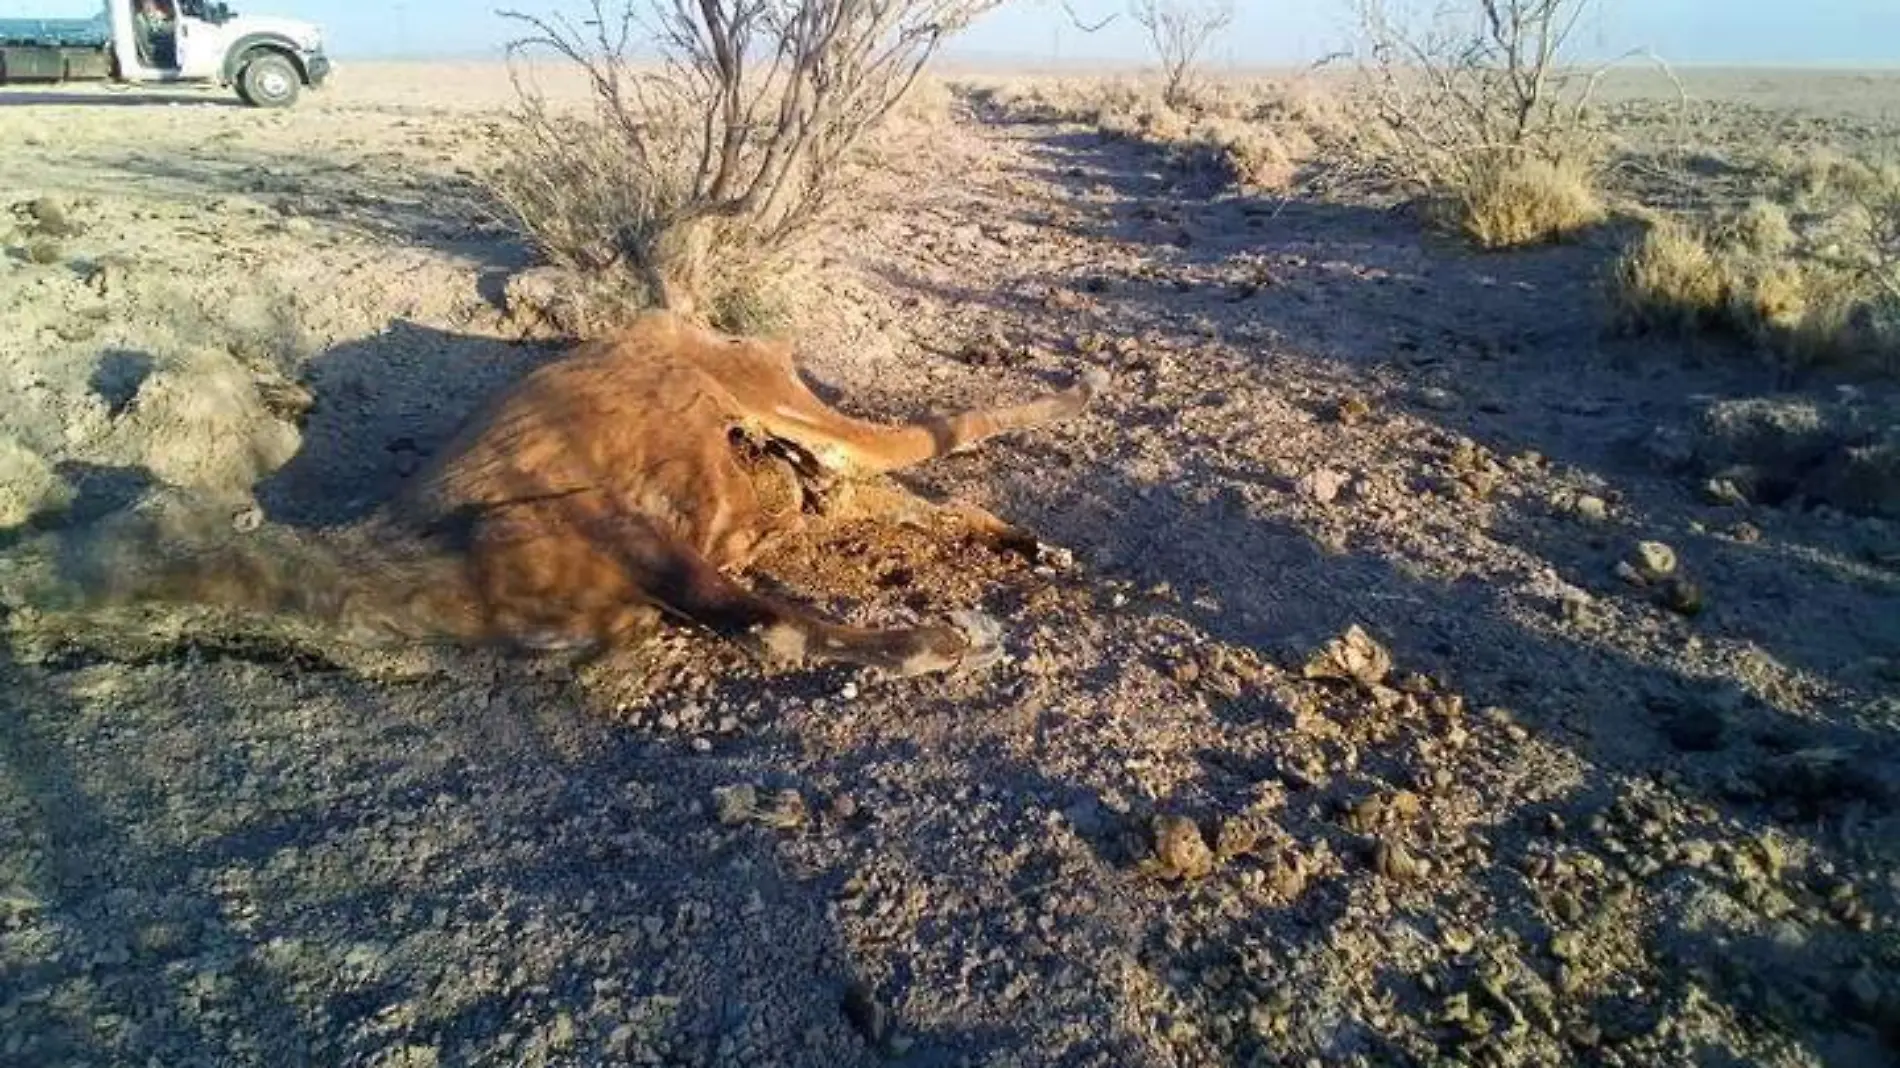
{"points": [[633, 477]]}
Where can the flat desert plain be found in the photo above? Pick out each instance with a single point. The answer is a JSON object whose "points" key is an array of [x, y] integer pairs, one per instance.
{"points": [[1417, 693]]}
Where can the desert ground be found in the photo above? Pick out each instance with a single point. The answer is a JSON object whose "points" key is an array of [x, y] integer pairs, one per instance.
{"points": [[1417, 693]]}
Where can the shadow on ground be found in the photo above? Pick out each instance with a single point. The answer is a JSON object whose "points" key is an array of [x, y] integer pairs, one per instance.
{"points": [[488, 864]]}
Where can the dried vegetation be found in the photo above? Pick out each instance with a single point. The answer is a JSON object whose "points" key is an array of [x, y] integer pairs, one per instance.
{"points": [[690, 180], [1809, 272]]}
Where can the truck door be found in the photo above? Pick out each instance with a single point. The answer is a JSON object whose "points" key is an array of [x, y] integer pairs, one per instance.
{"points": [[200, 44]]}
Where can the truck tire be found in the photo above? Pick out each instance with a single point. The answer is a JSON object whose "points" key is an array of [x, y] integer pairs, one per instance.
{"points": [[268, 80]]}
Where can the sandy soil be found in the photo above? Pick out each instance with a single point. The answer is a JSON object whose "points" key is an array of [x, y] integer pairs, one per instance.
{"points": [[1537, 809]]}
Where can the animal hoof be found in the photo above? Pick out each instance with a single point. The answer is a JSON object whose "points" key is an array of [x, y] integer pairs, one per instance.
{"points": [[985, 636]]}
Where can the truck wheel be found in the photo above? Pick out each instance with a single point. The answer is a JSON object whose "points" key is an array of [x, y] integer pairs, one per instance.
{"points": [[268, 81]]}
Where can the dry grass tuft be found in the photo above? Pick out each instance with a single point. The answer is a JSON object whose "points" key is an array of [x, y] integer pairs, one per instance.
{"points": [[1512, 203], [1256, 135], [1670, 283], [1818, 285]]}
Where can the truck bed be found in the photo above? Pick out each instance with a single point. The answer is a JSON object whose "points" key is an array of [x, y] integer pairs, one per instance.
{"points": [[54, 33], [54, 50]]}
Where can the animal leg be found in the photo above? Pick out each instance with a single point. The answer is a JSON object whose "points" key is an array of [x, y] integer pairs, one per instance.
{"points": [[660, 567], [844, 444], [884, 501]]}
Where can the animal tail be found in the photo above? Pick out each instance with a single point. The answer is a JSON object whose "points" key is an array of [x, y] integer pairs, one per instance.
{"points": [[168, 550]]}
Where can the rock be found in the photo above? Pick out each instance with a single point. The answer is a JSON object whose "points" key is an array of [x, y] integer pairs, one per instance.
{"points": [[107, 274], [562, 1032], [1776, 434], [1323, 485], [1861, 480], [1566, 945], [1653, 560], [29, 487], [50, 217], [1181, 852], [1439, 399], [1723, 492], [1816, 777], [1665, 450], [1352, 411], [1351, 657], [1591, 509], [1395, 862], [1681, 596]]}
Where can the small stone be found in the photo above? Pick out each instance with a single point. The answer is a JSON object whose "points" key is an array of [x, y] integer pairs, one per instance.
{"points": [[1180, 849], [1723, 492], [1654, 560], [1323, 485], [1591, 509], [1566, 945], [844, 807], [1566, 906], [562, 1032], [1352, 657], [1397, 863], [1439, 399], [1682, 597], [1352, 411]]}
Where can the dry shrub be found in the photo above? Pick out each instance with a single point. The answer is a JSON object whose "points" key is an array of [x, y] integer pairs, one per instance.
{"points": [[1669, 283], [1818, 288], [1481, 115], [930, 103], [692, 177], [1254, 134], [1180, 31], [1526, 201]]}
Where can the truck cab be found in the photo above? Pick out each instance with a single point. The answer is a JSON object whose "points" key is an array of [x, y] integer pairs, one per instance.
{"points": [[266, 59]]}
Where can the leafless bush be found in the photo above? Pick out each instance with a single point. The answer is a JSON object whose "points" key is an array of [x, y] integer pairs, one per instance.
{"points": [[1180, 31], [689, 175], [1479, 95]]}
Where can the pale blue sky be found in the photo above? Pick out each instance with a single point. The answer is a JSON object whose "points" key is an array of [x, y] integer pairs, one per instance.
{"points": [[1268, 32]]}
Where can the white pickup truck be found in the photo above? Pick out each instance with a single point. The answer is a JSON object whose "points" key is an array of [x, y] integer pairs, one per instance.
{"points": [[267, 60]]}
